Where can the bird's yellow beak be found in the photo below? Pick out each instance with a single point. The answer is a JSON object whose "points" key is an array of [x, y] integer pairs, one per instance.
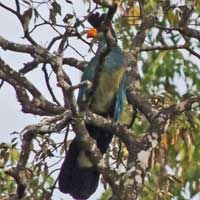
{"points": [[92, 33]]}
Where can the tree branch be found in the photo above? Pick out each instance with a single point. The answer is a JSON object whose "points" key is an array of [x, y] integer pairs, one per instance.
{"points": [[140, 102], [17, 5], [133, 78], [126, 135], [21, 83], [176, 109], [193, 52], [147, 23], [164, 48], [9, 9], [183, 30], [29, 49], [73, 62], [47, 79]]}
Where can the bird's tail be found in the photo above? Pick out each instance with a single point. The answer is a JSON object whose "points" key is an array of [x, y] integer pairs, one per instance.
{"points": [[102, 137], [78, 176]]}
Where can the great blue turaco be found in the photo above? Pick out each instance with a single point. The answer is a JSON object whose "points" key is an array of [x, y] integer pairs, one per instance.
{"points": [[78, 176]]}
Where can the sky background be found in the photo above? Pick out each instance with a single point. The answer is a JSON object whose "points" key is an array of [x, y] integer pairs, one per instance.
{"points": [[11, 118]]}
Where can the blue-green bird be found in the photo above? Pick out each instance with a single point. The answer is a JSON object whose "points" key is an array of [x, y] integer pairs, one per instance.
{"points": [[78, 176]]}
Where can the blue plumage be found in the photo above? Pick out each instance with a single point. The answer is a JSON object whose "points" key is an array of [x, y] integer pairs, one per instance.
{"points": [[120, 98], [111, 75], [78, 176]]}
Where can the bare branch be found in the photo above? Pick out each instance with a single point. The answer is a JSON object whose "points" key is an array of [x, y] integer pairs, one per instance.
{"points": [[126, 135], [47, 79], [183, 30], [164, 48], [140, 102], [176, 109], [29, 49], [193, 52], [17, 79], [9, 9], [29, 66], [65, 83], [75, 63], [26, 103], [190, 32], [172, 47], [85, 83], [17, 5], [133, 77], [147, 23]]}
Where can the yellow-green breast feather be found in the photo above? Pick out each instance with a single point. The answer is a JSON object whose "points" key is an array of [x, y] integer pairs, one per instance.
{"points": [[107, 90]]}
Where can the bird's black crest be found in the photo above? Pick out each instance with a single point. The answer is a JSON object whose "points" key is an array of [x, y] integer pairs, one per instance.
{"points": [[95, 19]]}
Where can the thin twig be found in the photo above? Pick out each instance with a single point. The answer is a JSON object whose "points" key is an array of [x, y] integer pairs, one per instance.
{"points": [[44, 69], [193, 52], [17, 6], [164, 48], [1, 84]]}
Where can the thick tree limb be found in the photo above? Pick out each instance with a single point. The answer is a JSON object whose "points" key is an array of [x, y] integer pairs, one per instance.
{"points": [[190, 32], [64, 82], [75, 63], [183, 28], [133, 77], [147, 23], [126, 135], [139, 151], [140, 102]]}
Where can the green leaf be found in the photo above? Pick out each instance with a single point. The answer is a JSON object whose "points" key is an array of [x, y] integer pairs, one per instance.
{"points": [[14, 155], [192, 173], [67, 18]]}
